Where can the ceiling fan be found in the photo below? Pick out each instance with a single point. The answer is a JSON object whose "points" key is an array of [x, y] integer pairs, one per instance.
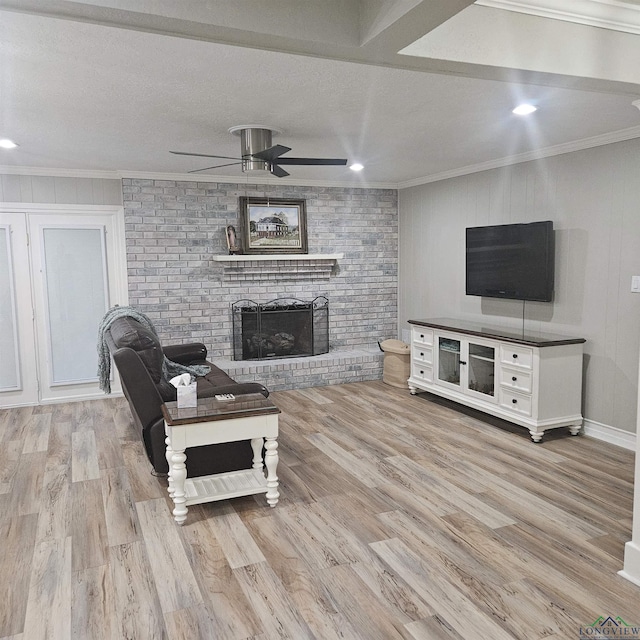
{"points": [[258, 154]]}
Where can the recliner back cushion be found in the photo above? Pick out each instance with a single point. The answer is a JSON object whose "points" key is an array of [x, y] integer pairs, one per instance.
{"points": [[127, 332]]}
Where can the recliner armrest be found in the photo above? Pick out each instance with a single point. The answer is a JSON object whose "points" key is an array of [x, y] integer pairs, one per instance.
{"points": [[186, 353]]}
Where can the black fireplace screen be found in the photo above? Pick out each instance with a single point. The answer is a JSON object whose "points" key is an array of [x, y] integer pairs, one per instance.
{"points": [[282, 328]]}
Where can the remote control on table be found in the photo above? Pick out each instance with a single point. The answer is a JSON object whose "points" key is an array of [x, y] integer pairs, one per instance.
{"points": [[225, 396]]}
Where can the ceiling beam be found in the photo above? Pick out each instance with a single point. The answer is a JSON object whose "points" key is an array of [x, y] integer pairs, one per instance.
{"points": [[397, 22]]}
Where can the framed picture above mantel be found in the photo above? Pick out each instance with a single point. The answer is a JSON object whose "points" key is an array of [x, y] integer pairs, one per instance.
{"points": [[273, 225]]}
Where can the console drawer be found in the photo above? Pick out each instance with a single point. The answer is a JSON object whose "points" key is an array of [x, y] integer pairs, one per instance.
{"points": [[516, 379], [421, 336], [422, 372], [422, 355], [515, 355], [516, 402]]}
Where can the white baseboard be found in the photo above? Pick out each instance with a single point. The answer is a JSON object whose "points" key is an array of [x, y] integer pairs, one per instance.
{"points": [[91, 396], [627, 576], [631, 569], [609, 434]]}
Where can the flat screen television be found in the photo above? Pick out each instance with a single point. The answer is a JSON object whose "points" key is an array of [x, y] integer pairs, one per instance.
{"points": [[513, 261]]}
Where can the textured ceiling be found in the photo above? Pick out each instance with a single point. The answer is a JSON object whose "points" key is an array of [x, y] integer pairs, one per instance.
{"points": [[115, 90]]}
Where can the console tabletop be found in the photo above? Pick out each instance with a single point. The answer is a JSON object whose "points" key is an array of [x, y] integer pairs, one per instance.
{"points": [[530, 338]]}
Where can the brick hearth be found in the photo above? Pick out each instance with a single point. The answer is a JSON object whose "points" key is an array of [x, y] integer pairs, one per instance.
{"points": [[335, 367]]}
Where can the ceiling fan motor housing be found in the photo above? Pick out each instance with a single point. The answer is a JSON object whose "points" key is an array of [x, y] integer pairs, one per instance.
{"points": [[253, 141]]}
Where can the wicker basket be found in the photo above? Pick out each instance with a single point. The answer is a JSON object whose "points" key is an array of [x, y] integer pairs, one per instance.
{"points": [[396, 366]]}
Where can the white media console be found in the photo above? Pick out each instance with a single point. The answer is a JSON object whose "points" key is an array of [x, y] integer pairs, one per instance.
{"points": [[532, 380]]}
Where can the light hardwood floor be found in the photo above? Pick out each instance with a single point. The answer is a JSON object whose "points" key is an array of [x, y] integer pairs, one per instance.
{"points": [[399, 517]]}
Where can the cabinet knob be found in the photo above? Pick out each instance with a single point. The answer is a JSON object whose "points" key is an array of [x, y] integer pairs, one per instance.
{"points": [[514, 378], [422, 335], [514, 401], [422, 373], [515, 355], [422, 354]]}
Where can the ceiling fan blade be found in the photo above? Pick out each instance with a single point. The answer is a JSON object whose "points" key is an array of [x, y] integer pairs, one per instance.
{"points": [[202, 155], [311, 161], [270, 154], [278, 171], [215, 166]]}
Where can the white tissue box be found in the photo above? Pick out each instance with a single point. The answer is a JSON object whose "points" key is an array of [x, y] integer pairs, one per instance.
{"points": [[187, 396]]}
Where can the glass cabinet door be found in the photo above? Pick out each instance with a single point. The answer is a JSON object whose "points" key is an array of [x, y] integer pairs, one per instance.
{"points": [[449, 360], [481, 369]]}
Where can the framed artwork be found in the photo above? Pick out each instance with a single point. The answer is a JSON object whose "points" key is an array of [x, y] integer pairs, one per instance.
{"points": [[273, 225]]}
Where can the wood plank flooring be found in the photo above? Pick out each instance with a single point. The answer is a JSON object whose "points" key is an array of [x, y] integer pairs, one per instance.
{"points": [[399, 517]]}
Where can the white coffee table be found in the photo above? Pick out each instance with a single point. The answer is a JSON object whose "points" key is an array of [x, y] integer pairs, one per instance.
{"points": [[247, 417]]}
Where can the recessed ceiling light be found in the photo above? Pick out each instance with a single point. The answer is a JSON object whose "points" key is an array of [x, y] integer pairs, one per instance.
{"points": [[356, 166], [524, 109], [5, 143]]}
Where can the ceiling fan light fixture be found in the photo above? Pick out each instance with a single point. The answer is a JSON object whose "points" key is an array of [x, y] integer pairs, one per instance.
{"points": [[524, 109], [255, 167]]}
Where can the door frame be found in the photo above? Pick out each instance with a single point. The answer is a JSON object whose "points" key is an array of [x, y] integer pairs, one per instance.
{"points": [[117, 294]]}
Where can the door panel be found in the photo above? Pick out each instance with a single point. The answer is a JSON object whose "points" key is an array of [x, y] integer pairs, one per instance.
{"points": [[75, 290], [10, 369], [72, 271], [18, 370]]}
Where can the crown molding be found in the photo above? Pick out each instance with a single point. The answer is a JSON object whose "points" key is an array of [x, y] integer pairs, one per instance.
{"points": [[568, 147], [9, 207], [606, 14], [187, 177], [267, 180], [52, 172], [560, 149]]}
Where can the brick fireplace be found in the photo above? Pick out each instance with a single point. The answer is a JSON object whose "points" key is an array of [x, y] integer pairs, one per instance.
{"points": [[180, 273]]}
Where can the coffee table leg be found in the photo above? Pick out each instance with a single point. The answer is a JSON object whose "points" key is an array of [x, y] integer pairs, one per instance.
{"points": [[256, 445], [271, 462], [178, 475], [169, 455]]}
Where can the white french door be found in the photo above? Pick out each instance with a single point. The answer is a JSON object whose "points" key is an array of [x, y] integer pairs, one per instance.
{"points": [[18, 371], [64, 268]]}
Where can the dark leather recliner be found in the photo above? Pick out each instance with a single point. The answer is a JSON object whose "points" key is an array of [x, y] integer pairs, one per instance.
{"points": [[138, 356]]}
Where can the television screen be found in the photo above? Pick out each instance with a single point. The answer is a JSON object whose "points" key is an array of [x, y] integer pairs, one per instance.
{"points": [[511, 261]]}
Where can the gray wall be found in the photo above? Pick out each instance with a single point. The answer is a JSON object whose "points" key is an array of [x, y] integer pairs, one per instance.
{"points": [[593, 197], [174, 228], [53, 190]]}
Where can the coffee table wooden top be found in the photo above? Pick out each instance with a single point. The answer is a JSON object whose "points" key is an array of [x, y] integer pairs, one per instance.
{"points": [[210, 409]]}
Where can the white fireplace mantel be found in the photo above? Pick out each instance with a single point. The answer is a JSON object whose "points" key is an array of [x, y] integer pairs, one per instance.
{"points": [[259, 257], [272, 266]]}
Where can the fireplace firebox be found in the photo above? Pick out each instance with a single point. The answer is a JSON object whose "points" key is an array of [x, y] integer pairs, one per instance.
{"points": [[281, 328]]}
